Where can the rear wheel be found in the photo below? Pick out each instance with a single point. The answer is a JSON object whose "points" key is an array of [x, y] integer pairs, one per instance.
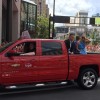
{"points": [[87, 78]]}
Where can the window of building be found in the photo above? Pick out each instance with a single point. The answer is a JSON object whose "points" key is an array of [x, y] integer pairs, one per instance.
{"points": [[51, 48], [28, 17]]}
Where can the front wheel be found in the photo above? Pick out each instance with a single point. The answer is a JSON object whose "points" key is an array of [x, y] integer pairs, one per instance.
{"points": [[87, 78]]}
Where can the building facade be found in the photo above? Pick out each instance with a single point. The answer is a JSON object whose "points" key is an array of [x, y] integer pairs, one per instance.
{"points": [[42, 8], [28, 17], [15, 17], [47, 11], [96, 19], [96, 15], [9, 15], [81, 18]]}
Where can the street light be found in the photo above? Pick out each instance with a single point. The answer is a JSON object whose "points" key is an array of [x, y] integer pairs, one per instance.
{"points": [[53, 18]]}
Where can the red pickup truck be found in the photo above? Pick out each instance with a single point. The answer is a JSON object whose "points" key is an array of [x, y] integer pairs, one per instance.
{"points": [[47, 61]]}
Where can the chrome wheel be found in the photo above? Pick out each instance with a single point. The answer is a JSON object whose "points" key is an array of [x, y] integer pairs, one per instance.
{"points": [[89, 79]]}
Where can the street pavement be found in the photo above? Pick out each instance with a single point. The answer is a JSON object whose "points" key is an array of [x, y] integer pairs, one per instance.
{"points": [[63, 93]]}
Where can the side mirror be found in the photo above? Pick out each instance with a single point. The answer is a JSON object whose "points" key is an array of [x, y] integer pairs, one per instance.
{"points": [[9, 54]]}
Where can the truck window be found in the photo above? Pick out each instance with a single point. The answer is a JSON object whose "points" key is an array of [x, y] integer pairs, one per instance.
{"points": [[26, 48], [51, 48]]}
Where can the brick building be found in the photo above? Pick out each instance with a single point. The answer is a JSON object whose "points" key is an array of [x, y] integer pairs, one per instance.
{"points": [[42, 8]]}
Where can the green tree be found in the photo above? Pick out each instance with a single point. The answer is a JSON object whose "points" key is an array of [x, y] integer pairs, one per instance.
{"points": [[95, 36], [42, 27]]}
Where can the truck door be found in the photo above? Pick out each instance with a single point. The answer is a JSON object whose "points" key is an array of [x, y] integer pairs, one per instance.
{"points": [[53, 63], [30, 62], [20, 68], [11, 67]]}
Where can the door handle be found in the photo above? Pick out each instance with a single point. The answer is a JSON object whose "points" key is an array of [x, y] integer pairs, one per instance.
{"points": [[33, 59], [35, 66], [15, 65]]}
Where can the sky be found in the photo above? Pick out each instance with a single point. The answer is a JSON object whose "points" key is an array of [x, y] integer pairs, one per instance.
{"points": [[71, 7]]}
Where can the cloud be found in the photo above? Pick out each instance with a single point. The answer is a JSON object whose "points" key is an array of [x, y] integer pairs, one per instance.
{"points": [[71, 7]]}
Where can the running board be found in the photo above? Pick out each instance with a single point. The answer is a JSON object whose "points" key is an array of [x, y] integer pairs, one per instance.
{"points": [[50, 84], [33, 88]]}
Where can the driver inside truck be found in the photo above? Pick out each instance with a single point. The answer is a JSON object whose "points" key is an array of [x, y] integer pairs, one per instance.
{"points": [[29, 49]]}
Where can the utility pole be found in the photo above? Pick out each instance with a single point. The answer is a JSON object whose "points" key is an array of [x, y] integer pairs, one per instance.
{"points": [[53, 19], [0, 21]]}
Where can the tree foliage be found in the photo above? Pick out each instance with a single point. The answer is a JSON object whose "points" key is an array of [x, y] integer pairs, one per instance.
{"points": [[95, 37], [42, 27]]}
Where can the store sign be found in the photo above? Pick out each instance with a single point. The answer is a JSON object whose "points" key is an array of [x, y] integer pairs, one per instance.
{"points": [[97, 20]]}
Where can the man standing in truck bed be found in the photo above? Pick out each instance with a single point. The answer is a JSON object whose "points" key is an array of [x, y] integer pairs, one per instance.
{"points": [[69, 42]]}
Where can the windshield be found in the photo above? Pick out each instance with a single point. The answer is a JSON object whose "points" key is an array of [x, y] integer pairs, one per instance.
{"points": [[5, 46]]}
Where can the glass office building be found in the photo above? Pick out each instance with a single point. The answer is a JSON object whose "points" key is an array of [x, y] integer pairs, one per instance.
{"points": [[28, 17]]}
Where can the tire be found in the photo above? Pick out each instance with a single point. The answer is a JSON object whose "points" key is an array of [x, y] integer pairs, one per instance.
{"points": [[2, 87], [87, 79]]}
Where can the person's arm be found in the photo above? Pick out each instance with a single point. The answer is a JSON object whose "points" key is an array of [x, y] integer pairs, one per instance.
{"points": [[29, 53], [77, 45], [87, 40]]}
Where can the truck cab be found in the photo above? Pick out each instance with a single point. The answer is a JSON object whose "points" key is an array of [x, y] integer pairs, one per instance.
{"points": [[48, 62]]}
